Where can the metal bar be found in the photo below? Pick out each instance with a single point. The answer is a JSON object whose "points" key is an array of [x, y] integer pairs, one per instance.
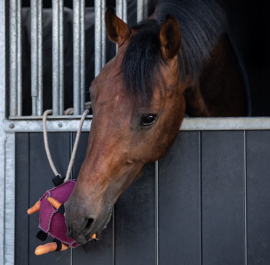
{"points": [[40, 60], [59, 117], [223, 124], [34, 54], [103, 34], [61, 56], [145, 9], [10, 200], [139, 10], [55, 55], [3, 84], [64, 123], [19, 58], [119, 12], [119, 8], [98, 46], [82, 55], [76, 58], [125, 11], [52, 126], [58, 59], [13, 57]]}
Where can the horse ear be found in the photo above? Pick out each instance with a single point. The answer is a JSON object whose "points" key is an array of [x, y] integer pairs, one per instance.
{"points": [[170, 38], [118, 31]]}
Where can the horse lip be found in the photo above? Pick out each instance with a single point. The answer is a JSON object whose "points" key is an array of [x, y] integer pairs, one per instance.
{"points": [[89, 235], [82, 241], [80, 238]]}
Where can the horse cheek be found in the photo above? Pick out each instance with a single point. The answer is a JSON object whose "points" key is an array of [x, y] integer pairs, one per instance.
{"points": [[171, 131]]}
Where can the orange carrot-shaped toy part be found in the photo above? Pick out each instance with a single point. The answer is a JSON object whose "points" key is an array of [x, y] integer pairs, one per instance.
{"points": [[56, 204], [34, 209], [49, 247]]}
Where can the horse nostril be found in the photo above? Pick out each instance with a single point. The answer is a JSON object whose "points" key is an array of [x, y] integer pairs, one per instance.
{"points": [[89, 223]]}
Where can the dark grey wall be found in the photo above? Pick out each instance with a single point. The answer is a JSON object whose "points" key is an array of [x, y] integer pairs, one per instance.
{"points": [[250, 25], [213, 203]]}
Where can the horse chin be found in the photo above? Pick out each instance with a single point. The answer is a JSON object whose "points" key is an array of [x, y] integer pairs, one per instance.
{"points": [[102, 226], [99, 226]]}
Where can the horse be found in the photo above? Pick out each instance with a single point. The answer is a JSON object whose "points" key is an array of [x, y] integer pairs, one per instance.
{"points": [[177, 61]]}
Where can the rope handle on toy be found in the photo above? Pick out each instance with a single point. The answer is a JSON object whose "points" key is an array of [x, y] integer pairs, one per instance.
{"points": [[47, 149]]}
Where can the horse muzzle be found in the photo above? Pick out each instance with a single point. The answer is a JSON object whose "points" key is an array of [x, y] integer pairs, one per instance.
{"points": [[81, 226], [80, 229]]}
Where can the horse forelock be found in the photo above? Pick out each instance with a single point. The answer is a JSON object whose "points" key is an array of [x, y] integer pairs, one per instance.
{"points": [[201, 23], [142, 60]]}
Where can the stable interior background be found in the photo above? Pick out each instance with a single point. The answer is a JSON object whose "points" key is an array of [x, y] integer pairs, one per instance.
{"points": [[250, 27]]}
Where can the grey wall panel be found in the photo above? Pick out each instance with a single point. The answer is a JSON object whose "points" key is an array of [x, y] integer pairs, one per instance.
{"points": [[179, 202], [258, 197], [21, 198], [223, 177], [135, 222], [40, 181], [100, 252], [201, 205]]}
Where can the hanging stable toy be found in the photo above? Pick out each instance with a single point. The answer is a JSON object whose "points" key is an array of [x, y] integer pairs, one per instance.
{"points": [[51, 205]]}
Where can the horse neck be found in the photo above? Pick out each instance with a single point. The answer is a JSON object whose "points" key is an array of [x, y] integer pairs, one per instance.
{"points": [[220, 83]]}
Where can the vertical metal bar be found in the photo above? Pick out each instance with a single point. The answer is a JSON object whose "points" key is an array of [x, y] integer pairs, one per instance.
{"points": [[61, 57], [82, 55], [145, 9], [119, 11], [10, 200], [13, 57], [76, 58], [97, 37], [103, 34], [40, 60], [3, 98], [34, 55], [55, 56], [119, 8], [19, 59], [125, 11], [139, 10], [58, 60]]}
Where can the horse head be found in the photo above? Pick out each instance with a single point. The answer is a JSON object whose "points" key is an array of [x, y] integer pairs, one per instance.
{"points": [[138, 106]]}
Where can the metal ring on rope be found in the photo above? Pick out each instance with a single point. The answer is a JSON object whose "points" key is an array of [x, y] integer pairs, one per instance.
{"points": [[47, 149]]}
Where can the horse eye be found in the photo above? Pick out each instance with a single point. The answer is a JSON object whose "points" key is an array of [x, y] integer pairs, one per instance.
{"points": [[148, 120]]}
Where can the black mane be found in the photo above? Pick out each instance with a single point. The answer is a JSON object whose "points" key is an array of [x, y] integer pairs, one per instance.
{"points": [[201, 22]]}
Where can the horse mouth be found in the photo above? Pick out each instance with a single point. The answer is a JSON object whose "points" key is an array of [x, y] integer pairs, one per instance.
{"points": [[91, 231], [88, 237]]}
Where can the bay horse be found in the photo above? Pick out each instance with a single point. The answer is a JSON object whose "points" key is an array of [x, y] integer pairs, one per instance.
{"points": [[179, 60]]}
